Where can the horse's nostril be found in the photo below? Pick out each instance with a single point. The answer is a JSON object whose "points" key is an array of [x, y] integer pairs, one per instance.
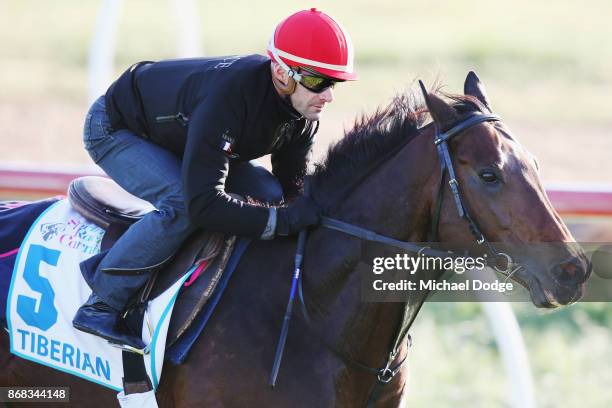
{"points": [[570, 271]]}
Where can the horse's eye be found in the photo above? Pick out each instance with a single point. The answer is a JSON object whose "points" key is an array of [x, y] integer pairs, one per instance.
{"points": [[488, 176]]}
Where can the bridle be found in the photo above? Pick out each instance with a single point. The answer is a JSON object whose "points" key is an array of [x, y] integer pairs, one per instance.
{"points": [[446, 165], [386, 374]]}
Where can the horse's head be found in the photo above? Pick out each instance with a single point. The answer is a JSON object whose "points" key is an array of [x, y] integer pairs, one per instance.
{"points": [[501, 191]]}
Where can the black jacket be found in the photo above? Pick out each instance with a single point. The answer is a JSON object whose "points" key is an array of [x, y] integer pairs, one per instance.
{"points": [[210, 111]]}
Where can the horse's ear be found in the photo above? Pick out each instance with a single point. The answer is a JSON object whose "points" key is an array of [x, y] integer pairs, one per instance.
{"points": [[442, 113], [475, 88]]}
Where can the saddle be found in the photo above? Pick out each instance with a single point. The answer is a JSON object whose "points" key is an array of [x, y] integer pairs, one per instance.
{"points": [[106, 204]]}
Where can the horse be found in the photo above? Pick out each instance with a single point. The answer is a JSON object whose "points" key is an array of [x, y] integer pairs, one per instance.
{"points": [[383, 175]]}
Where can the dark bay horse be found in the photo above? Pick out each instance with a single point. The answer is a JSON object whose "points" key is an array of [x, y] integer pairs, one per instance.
{"points": [[383, 175]]}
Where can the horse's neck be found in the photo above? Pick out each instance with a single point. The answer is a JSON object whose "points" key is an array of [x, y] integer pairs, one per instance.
{"points": [[395, 201]]}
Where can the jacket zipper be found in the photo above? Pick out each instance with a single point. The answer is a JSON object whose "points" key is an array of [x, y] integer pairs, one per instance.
{"points": [[179, 117], [285, 127]]}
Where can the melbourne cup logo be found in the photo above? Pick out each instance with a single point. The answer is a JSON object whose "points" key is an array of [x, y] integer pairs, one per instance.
{"points": [[74, 234]]}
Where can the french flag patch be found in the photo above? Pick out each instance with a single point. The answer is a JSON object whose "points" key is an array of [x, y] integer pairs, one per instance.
{"points": [[226, 147]]}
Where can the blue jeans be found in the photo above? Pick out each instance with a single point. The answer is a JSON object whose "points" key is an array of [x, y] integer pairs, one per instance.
{"points": [[152, 173]]}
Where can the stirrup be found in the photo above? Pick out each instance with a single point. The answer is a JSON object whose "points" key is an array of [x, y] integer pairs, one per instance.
{"points": [[130, 349]]}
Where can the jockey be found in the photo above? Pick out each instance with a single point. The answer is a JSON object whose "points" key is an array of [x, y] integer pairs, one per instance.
{"points": [[181, 134]]}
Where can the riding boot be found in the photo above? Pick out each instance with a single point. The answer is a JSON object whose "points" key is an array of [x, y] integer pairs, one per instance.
{"points": [[98, 318]]}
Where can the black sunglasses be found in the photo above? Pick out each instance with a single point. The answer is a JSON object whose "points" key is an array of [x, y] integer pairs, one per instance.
{"points": [[315, 82]]}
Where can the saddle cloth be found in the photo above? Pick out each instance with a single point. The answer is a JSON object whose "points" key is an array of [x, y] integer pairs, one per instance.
{"points": [[46, 289]]}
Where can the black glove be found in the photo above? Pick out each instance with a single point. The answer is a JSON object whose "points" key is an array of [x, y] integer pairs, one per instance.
{"points": [[301, 213]]}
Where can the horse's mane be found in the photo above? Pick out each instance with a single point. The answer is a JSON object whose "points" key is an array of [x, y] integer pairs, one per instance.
{"points": [[372, 140]]}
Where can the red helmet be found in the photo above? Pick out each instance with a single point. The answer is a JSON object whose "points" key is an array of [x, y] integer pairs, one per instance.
{"points": [[312, 39]]}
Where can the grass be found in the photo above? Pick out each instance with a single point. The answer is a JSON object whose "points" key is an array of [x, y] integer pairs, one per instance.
{"points": [[519, 44], [456, 362]]}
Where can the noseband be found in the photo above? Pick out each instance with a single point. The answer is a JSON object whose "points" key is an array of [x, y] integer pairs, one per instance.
{"points": [[441, 140]]}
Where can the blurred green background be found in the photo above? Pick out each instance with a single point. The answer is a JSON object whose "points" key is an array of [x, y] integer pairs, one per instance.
{"points": [[547, 66]]}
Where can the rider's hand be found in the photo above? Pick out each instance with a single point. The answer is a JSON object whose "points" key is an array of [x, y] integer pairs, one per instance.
{"points": [[301, 213]]}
